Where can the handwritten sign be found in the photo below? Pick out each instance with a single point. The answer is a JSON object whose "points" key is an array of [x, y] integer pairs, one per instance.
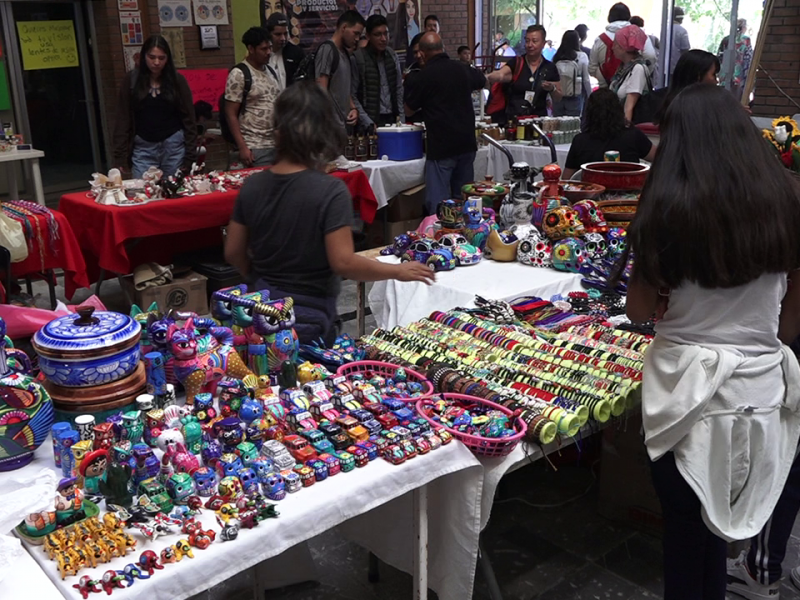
{"points": [[206, 84], [47, 44]]}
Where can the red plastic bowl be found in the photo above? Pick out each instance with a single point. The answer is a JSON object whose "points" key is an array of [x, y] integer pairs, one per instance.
{"points": [[616, 175]]}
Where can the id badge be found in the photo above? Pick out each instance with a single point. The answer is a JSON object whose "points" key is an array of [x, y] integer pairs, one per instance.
{"points": [[529, 96]]}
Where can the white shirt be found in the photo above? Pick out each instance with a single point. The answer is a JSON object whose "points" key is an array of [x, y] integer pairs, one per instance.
{"points": [[635, 83], [276, 62], [722, 393]]}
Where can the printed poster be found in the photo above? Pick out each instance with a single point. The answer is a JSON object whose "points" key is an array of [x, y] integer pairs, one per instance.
{"points": [[128, 5], [174, 13], [210, 12], [131, 25], [314, 21], [174, 37], [131, 54]]}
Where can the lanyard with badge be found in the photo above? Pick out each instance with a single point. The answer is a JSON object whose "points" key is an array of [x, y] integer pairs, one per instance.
{"points": [[530, 95]]}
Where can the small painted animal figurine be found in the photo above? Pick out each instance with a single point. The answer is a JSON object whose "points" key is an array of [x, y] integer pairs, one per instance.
{"points": [[222, 305], [201, 372], [274, 321], [476, 229], [141, 317]]}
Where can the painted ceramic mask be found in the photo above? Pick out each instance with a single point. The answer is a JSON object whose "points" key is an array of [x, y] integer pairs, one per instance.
{"points": [[229, 464], [249, 480], [562, 222], [568, 255], [617, 241], [273, 487], [204, 480], [592, 217], [596, 247], [535, 250]]}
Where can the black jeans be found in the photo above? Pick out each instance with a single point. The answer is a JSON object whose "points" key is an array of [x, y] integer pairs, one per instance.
{"points": [[694, 558], [768, 548]]}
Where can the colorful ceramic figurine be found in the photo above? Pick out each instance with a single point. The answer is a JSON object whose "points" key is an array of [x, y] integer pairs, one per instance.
{"points": [[568, 255], [201, 372], [476, 229], [221, 305], [203, 408], [93, 470], [141, 317], [192, 433], [274, 321]]}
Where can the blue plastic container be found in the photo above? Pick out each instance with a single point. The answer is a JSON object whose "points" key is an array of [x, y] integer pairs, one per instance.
{"points": [[400, 143]]}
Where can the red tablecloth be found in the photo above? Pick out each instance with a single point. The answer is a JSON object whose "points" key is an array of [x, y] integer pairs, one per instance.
{"points": [[103, 230], [68, 257]]}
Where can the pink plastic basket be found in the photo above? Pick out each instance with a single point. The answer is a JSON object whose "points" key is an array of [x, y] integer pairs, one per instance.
{"points": [[479, 445], [388, 370]]}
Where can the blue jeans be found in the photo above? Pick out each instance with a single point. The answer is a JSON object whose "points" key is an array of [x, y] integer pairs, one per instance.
{"points": [[167, 154], [444, 178], [568, 107]]}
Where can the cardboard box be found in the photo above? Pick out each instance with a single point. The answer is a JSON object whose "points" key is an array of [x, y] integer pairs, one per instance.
{"points": [[407, 204], [186, 293], [625, 487]]}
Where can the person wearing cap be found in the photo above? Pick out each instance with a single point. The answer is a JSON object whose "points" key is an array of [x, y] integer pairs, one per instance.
{"points": [[583, 33], [680, 38], [286, 56], [632, 79]]}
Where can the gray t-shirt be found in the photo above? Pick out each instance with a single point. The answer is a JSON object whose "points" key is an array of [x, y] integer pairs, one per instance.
{"points": [[339, 82], [287, 218], [680, 43]]}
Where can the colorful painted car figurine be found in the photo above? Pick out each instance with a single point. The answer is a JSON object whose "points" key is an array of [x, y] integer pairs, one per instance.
{"points": [[360, 454], [337, 437], [464, 252], [320, 469], [278, 453], [421, 445], [317, 439], [306, 474], [157, 493], [371, 449], [299, 448], [430, 253], [347, 461], [394, 454], [332, 463], [292, 482], [409, 448], [353, 428]]}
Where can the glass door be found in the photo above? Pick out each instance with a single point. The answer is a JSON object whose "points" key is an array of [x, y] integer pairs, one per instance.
{"points": [[54, 72]]}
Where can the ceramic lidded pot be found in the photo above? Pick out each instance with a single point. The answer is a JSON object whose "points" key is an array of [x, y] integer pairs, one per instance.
{"points": [[26, 412], [88, 349]]}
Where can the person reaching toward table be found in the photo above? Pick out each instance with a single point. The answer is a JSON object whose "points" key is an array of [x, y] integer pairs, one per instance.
{"points": [[290, 229]]}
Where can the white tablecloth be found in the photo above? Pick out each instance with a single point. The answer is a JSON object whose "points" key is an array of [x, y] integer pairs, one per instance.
{"points": [[380, 490], [535, 156], [398, 303]]}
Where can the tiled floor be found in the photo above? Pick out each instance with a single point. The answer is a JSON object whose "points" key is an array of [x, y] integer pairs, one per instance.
{"points": [[564, 552]]}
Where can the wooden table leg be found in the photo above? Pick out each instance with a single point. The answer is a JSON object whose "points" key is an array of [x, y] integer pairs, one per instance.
{"points": [[361, 309]]}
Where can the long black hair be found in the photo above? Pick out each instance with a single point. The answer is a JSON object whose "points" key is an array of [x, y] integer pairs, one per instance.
{"points": [[690, 69], [169, 76], [605, 117], [570, 46], [718, 209]]}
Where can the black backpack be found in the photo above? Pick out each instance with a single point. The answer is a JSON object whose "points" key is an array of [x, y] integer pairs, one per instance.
{"points": [[306, 70], [223, 119]]}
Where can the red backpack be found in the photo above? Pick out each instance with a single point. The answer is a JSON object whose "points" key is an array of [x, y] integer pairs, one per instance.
{"points": [[497, 94], [611, 63]]}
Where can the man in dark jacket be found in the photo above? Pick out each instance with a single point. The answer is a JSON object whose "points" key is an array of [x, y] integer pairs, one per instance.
{"points": [[377, 82], [286, 57], [443, 90]]}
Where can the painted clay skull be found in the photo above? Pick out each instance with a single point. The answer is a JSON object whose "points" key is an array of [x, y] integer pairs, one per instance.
{"points": [[249, 480], [562, 222], [229, 486], [568, 255], [617, 241], [204, 480], [273, 487], [591, 216], [596, 247], [263, 466], [229, 464], [535, 250]]}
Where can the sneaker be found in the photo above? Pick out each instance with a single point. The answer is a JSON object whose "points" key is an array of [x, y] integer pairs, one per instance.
{"points": [[740, 582], [795, 577]]}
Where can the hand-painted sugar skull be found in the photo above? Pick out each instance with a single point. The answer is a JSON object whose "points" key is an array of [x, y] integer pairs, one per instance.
{"points": [[180, 486], [204, 481], [591, 216], [568, 255], [249, 481], [247, 452], [251, 410], [273, 487], [230, 486], [535, 250], [263, 466], [562, 222], [596, 247], [229, 464], [617, 241]]}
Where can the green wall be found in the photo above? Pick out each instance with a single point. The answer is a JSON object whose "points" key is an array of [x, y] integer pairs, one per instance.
{"points": [[244, 15]]}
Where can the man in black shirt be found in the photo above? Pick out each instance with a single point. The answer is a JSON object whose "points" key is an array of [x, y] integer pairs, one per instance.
{"points": [[286, 56], [443, 90]]}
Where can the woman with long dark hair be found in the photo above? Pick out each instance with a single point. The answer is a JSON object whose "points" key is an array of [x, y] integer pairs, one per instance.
{"points": [[573, 68], [290, 229], [606, 130], [713, 249], [155, 124], [696, 66]]}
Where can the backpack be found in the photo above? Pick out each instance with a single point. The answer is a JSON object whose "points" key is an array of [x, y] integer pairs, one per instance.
{"points": [[306, 70], [497, 94], [611, 63], [571, 80], [224, 126]]}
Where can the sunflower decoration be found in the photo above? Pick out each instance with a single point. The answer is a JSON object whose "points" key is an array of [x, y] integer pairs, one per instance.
{"points": [[784, 138]]}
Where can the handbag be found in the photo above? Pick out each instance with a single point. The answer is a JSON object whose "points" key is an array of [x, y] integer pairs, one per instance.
{"points": [[12, 236]]}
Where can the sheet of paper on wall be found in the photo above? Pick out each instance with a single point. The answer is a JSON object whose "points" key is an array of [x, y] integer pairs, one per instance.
{"points": [[174, 37], [130, 24], [47, 44], [128, 5], [210, 12], [131, 54], [175, 13]]}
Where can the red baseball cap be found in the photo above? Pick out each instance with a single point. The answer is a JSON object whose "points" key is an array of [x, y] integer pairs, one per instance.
{"points": [[631, 38]]}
